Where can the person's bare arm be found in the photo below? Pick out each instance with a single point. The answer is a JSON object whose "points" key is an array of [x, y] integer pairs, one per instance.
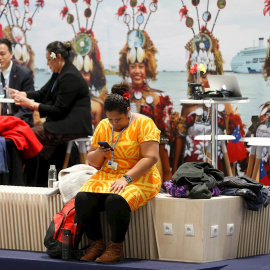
{"points": [[150, 153], [96, 156]]}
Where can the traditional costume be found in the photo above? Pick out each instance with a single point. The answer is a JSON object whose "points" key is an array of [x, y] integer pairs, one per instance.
{"points": [[139, 48], [16, 30], [126, 155], [204, 58]]}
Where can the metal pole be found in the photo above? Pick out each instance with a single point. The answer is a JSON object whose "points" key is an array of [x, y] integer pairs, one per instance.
{"points": [[214, 134]]}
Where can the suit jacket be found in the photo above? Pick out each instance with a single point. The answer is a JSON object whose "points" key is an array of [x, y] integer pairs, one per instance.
{"points": [[65, 102], [21, 78]]}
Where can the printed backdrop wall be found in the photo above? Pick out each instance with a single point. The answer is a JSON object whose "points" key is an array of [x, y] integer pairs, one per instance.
{"points": [[237, 26]]}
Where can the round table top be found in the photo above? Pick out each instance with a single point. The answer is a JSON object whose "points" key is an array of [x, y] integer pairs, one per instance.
{"points": [[214, 101], [257, 141], [265, 143], [217, 137]]}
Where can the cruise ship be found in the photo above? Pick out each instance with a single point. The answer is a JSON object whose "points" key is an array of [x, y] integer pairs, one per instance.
{"points": [[250, 60]]}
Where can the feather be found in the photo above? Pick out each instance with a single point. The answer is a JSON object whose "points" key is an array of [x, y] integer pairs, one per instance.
{"points": [[64, 12], [30, 21], [79, 62], [142, 8], [121, 11], [140, 54], [86, 64], [183, 13], [88, 2], [18, 51], [40, 3], [132, 55]]}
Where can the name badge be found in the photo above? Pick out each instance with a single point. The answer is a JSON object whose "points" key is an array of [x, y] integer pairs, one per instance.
{"points": [[112, 164]]}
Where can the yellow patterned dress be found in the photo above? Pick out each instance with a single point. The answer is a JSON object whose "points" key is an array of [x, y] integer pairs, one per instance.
{"points": [[126, 153]]}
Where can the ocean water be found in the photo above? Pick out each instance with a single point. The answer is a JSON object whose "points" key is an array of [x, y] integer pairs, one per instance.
{"points": [[174, 84]]}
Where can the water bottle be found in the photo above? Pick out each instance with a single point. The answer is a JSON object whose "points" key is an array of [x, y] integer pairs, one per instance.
{"points": [[52, 176], [66, 245]]}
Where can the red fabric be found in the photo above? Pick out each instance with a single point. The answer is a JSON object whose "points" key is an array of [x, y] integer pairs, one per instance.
{"points": [[236, 128], [14, 128], [236, 148], [236, 151], [264, 179], [1, 31]]}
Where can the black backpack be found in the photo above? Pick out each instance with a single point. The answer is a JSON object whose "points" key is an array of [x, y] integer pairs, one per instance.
{"points": [[66, 219]]}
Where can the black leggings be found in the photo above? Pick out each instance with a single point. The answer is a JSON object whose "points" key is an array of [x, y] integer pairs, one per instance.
{"points": [[88, 207]]}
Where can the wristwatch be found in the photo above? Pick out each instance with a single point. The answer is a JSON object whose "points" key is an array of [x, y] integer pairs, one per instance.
{"points": [[128, 178], [32, 106]]}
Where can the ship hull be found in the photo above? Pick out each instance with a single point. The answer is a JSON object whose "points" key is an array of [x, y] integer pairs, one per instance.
{"points": [[249, 60], [250, 70]]}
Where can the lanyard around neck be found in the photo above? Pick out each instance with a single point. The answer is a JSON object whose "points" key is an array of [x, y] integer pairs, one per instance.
{"points": [[113, 147]]}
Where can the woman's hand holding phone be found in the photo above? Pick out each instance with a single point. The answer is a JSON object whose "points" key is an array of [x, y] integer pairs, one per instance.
{"points": [[105, 146]]}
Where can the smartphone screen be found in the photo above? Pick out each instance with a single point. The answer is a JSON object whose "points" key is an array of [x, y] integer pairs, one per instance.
{"points": [[105, 145]]}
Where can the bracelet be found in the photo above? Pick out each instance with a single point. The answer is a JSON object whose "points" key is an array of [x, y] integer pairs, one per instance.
{"points": [[32, 106], [128, 178]]}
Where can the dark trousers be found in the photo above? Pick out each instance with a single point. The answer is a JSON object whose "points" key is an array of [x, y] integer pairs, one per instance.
{"points": [[15, 166], [88, 207], [50, 141]]}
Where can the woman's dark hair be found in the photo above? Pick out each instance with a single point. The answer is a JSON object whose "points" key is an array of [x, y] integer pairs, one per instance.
{"points": [[115, 101], [58, 47]]}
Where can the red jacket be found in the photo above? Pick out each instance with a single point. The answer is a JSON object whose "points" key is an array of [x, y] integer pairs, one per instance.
{"points": [[14, 128]]}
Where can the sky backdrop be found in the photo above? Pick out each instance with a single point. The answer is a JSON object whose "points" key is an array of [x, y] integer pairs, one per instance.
{"points": [[239, 25]]}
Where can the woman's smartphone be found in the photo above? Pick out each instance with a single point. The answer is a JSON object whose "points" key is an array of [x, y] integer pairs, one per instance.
{"points": [[105, 145]]}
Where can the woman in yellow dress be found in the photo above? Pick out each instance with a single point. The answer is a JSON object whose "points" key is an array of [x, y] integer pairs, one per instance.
{"points": [[128, 177]]}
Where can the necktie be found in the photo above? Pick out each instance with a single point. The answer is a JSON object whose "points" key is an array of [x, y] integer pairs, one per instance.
{"points": [[4, 107], [3, 80]]}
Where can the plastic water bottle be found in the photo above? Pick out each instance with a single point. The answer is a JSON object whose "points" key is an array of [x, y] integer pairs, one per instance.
{"points": [[66, 245], [52, 176]]}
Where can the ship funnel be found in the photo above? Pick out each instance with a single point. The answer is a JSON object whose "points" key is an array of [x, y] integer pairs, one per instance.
{"points": [[261, 42]]}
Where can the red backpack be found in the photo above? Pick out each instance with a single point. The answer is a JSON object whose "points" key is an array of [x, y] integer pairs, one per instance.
{"points": [[66, 219]]}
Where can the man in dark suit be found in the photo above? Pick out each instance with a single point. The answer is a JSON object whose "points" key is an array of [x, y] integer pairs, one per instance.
{"points": [[17, 77]]}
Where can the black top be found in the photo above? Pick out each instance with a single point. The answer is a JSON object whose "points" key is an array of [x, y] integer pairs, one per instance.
{"points": [[21, 78], [65, 101]]}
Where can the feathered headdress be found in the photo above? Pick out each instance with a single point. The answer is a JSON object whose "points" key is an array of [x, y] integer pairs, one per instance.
{"points": [[19, 20], [203, 48], [86, 51], [139, 48], [266, 67], [266, 7]]}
